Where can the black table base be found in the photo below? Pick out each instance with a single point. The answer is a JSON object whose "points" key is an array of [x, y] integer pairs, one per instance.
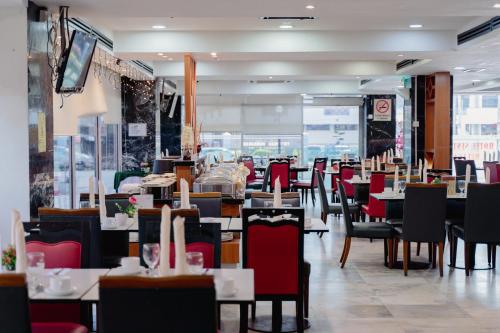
{"points": [[265, 324]]}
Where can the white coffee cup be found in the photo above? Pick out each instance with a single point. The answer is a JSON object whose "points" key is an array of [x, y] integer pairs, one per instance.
{"points": [[130, 264], [228, 287], [121, 219], [60, 283]]}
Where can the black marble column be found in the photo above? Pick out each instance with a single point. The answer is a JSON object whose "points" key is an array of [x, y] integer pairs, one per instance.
{"points": [[170, 128], [380, 135], [40, 89]]}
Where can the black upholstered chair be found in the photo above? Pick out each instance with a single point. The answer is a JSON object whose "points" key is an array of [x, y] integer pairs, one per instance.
{"points": [[260, 199], [275, 251], [170, 304], [326, 207], [461, 166], [481, 222], [372, 230], [209, 203], [423, 220], [99, 255], [112, 200], [202, 237], [14, 310]]}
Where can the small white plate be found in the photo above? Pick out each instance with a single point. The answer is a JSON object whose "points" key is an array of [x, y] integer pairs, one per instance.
{"points": [[68, 292]]}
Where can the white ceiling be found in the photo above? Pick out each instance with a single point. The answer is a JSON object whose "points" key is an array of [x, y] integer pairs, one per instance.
{"points": [[123, 20]]}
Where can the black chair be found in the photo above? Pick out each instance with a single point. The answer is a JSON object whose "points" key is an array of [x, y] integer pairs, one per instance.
{"points": [[265, 182], [461, 166], [205, 237], [372, 230], [209, 203], [326, 207], [14, 309], [423, 220], [98, 257], [112, 200], [172, 304], [481, 225], [310, 185], [259, 199], [275, 251]]}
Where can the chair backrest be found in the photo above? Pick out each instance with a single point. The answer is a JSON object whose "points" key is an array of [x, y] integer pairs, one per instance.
{"points": [[259, 199], [323, 198], [66, 254], [175, 304], [424, 212], [346, 173], [248, 162], [320, 165], [209, 203], [89, 217], [482, 213], [265, 182], [200, 237], [14, 310], [461, 165], [345, 210], [377, 184], [112, 200], [492, 166], [280, 169], [274, 250]]}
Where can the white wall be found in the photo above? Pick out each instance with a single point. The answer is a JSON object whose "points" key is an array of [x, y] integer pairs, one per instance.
{"points": [[14, 147]]}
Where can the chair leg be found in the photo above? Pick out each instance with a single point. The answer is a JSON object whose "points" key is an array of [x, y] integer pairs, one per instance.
{"points": [[313, 196], [390, 245], [343, 251], [396, 249], [306, 296], [302, 194], [385, 252], [494, 256], [441, 257], [299, 306], [434, 253], [307, 194], [277, 318], [253, 308], [418, 249], [453, 250], [467, 257], [429, 249], [346, 254], [489, 254], [406, 255]]}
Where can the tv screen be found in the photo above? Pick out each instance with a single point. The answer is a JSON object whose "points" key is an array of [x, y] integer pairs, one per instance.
{"points": [[76, 63]]}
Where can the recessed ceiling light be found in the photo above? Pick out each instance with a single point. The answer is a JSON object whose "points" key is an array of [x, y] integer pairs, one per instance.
{"points": [[170, 59], [310, 7], [401, 87], [416, 26], [159, 26], [358, 77], [401, 55], [213, 54], [497, 5], [476, 80], [160, 54], [164, 56], [459, 68], [270, 78], [286, 26]]}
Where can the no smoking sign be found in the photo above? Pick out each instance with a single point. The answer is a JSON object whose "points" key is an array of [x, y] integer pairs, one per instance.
{"points": [[382, 109]]}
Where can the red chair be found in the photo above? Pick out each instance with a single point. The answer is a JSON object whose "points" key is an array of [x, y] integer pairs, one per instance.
{"points": [[305, 186], [346, 173], [252, 180], [15, 314], [494, 167], [375, 208], [66, 254], [280, 169], [275, 251]]}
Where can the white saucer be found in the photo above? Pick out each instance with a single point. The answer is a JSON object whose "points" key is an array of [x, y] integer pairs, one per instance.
{"points": [[68, 292], [122, 271]]}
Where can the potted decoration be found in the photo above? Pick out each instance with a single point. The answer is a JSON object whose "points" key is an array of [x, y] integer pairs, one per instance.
{"points": [[128, 211], [9, 258]]}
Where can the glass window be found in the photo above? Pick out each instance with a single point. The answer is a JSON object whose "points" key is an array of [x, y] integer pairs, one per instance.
{"points": [[261, 147], [85, 155], [109, 154], [214, 143], [330, 131], [490, 101], [62, 172]]}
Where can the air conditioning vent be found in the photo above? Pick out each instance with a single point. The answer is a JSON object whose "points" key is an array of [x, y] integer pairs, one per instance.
{"points": [[269, 81], [479, 30], [289, 18], [364, 82], [406, 63]]}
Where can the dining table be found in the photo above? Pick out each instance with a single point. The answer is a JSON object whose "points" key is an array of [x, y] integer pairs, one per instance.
{"points": [[86, 288], [293, 168]]}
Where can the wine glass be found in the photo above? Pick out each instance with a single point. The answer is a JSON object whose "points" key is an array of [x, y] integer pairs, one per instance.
{"points": [[151, 255], [195, 262], [35, 265], [402, 186], [461, 186]]}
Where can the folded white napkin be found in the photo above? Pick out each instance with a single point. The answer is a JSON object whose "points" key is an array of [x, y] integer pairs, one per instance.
{"points": [[488, 175], [384, 157], [181, 267], [185, 194], [165, 241], [408, 173], [20, 248], [14, 217], [91, 192], [102, 202], [467, 173], [396, 179], [277, 194], [373, 164], [424, 174], [378, 163], [363, 169], [420, 169]]}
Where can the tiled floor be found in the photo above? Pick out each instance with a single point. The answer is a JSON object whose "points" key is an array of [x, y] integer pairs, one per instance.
{"points": [[366, 297]]}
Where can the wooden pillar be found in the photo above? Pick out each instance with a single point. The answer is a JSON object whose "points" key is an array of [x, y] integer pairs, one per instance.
{"points": [[438, 120], [190, 93]]}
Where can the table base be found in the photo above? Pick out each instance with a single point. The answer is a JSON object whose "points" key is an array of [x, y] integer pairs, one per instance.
{"points": [[264, 324]]}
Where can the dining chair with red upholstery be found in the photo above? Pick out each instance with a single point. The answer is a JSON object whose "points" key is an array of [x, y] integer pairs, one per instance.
{"points": [[15, 313], [492, 166], [346, 172], [275, 251], [253, 181], [375, 209], [280, 169], [334, 163], [310, 185], [178, 304], [200, 237]]}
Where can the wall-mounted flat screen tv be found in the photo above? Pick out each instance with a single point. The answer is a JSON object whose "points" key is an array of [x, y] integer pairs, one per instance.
{"points": [[76, 63]]}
